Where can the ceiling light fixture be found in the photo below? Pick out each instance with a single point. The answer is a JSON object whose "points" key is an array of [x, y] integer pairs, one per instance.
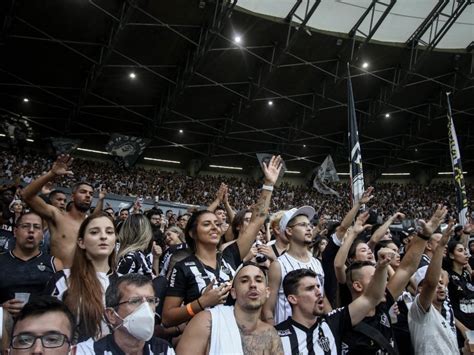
{"points": [[292, 172], [365, 65], [270, 103], [181, 131], [387, 115], [237, 39], [163, 160], [449, 173], [343, 174], [226, 167], [26, 99], [132, 75], [396, 174]]}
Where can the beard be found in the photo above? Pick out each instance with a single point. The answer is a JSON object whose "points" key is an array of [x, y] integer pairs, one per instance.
{"points": [[82, 206]]}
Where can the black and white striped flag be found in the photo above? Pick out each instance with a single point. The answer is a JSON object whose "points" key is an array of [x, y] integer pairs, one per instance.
{"points": [[461, 197], [355, 156]]}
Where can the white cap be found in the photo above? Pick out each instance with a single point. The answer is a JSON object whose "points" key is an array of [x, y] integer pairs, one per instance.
{"points": [[420, 275], [307, 211]]}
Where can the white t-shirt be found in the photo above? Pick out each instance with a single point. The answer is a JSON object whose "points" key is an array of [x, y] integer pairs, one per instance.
{"points": [[430, 332]]}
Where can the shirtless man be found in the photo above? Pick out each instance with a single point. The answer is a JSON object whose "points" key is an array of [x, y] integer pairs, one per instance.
{"points": [[244, 332], [63, 225]]}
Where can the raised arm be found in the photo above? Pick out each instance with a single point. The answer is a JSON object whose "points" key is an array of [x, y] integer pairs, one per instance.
{"points": [[260, 209], [343, 252], [374, 294], [274, 280], [434, 270], [380, 232], [219, 197], [411, 260], [100, 202], [349, 217], [228, 207], [29, 194]]}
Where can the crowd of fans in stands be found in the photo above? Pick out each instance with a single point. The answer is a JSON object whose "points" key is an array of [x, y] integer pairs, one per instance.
{"points": [[257, 269], [413, 200]]}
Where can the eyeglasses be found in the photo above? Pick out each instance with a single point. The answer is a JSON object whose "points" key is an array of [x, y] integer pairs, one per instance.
{"points": [[136, 301], [28, 226], [51, 340], [302, 224]]}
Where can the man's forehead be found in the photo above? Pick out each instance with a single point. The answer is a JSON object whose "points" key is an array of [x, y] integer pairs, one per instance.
{"points": [[249, 271], [47, 322], [129, 289]]}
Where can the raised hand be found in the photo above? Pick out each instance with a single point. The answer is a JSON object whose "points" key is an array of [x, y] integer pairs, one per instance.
{"points": [[428, 228], [398, 215], [102, 192], [272, 170], [221, 192], [385, 256], [359, 225], [447, 233], [366, 196], [62, 165]]}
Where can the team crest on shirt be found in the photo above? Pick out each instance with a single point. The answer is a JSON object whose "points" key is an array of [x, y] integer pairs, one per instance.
{"points": [[324, 343], [41, 267], [189, 263], [384, 320], [284, 332]]}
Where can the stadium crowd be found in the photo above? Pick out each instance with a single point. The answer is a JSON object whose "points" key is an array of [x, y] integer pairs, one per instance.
{"points": [[413, 200], [258, 270]]}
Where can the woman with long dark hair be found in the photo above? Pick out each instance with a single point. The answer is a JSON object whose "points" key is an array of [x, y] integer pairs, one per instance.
{"points": [[82, 288], [203, 279], [461, 286]]}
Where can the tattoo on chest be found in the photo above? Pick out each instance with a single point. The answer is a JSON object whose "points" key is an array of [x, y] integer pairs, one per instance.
{"points": [[258, 343]]}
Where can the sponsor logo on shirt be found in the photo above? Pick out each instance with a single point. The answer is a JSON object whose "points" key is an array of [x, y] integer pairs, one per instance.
{"points": [[284, 333]]}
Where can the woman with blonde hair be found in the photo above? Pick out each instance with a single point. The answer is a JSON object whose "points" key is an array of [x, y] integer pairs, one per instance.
{"points": [[135, 239], [82, 288]]}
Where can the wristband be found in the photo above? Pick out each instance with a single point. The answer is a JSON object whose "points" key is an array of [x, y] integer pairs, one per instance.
{"points": [[189, 309], [422, 236], [200, 305], [267, 187]]}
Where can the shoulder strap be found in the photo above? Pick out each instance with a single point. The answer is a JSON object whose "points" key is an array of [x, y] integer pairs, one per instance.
{"points": [[374, 334]]}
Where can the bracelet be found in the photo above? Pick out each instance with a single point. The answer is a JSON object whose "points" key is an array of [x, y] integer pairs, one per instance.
{"points": [[422, 236], [200, 305], [267, 187], [189, 309]]}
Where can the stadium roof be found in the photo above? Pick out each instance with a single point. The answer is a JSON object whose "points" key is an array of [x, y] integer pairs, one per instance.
{"points": [[205, 72]]}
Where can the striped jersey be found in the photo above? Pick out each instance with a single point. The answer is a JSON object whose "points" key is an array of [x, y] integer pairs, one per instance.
{"points": [[322, 338], [289, 263]]}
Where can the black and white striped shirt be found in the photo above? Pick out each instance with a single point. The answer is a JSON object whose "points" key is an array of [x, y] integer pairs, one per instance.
{"points": [[289, 263], [323, 338], [190, 277]]}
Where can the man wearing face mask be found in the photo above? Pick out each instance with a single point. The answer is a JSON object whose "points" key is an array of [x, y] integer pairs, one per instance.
{"points": [[130, 312]]}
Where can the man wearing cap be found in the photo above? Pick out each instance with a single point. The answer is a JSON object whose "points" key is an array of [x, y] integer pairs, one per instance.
{"points": [[431, 331], [296, 226], [234, 330]]}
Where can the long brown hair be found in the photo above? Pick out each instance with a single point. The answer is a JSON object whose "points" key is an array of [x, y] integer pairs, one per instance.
{"points": [[82, 297]]}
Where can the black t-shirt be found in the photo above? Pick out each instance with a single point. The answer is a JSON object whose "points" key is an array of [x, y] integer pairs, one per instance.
{"points": [[190, 277], [30, 276], [356, 343], [461, 294], [323, 338]]}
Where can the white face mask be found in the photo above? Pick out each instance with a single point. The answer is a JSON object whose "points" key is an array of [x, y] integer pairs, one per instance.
{"points": [[140, 323]]}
